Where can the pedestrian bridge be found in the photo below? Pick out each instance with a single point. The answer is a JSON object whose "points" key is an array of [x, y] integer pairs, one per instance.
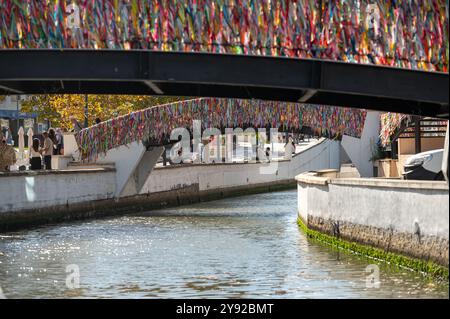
{"points": [[406, 34], [134, 142], [354, 53]]}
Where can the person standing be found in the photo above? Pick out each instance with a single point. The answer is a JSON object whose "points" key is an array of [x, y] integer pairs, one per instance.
{"points": [[35, 156], [180, 155], [52, 136], [76, 125], [263, 155], [207, 150], [201, 147], [9, 139], [59, 142], [47, 151], [7, 155], [289, 148], [268, 153]]}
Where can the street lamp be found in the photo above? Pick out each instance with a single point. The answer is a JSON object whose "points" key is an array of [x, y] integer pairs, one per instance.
{"points": [[17, 114], [86, 111], [17, 104]]}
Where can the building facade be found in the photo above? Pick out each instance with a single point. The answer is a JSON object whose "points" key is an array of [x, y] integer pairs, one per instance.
{"points": [[11, 118]]}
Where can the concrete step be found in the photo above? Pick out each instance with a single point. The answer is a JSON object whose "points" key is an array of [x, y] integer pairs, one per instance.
{"points": [[80, 165], [348, 171]]}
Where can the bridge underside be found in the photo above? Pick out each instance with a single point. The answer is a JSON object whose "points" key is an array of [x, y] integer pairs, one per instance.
{"points": [[214, 75]]}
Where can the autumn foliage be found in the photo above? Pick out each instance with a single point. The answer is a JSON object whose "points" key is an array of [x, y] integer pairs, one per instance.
{"points": [[59, 108]]}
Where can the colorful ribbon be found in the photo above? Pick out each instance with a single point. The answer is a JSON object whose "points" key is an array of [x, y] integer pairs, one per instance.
{"points": [[401, 33]]}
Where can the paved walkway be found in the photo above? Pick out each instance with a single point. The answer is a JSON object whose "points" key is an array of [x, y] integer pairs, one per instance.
{"points": [[245, 147]]}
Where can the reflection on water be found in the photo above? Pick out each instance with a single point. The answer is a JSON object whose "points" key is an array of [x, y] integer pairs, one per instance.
{"points": [[245, 247]]}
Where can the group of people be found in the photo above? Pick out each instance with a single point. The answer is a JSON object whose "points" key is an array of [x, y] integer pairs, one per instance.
{"points": [[40, 154], [52, 145]]}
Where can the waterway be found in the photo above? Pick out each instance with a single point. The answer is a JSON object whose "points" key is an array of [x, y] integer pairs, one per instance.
{"points": [[248, 247]]}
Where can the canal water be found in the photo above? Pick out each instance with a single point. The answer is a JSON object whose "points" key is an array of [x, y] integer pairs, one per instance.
{"points": [[249, 247]]}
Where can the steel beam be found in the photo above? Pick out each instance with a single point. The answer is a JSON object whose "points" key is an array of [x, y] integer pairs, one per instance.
{"points": [[224, 75]]}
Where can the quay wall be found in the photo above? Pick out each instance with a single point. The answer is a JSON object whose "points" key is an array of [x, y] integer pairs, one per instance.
{"points": [[31, 198], [38, 190], [398, 216], [220, 176]]}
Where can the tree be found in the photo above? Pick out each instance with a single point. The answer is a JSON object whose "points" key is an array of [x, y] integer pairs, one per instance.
{"points": [[58, 108]]}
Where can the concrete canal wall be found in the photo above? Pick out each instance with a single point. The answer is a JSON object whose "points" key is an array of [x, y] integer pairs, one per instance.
{"points": [[39, 197], [42, 196], [38, 190], [210, 177], [408, 218]]}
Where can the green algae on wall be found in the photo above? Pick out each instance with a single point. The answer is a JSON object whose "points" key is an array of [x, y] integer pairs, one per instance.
{"points": [[427, 267]]}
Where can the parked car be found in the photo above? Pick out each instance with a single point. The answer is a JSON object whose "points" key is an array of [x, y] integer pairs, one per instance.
{"points": [[425, 166]]}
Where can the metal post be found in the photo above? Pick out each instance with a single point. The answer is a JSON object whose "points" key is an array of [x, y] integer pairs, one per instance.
{"points": [[257, 146], [86, 111], [417, 136], [394, 149], [18, 121], [18, 97]]}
